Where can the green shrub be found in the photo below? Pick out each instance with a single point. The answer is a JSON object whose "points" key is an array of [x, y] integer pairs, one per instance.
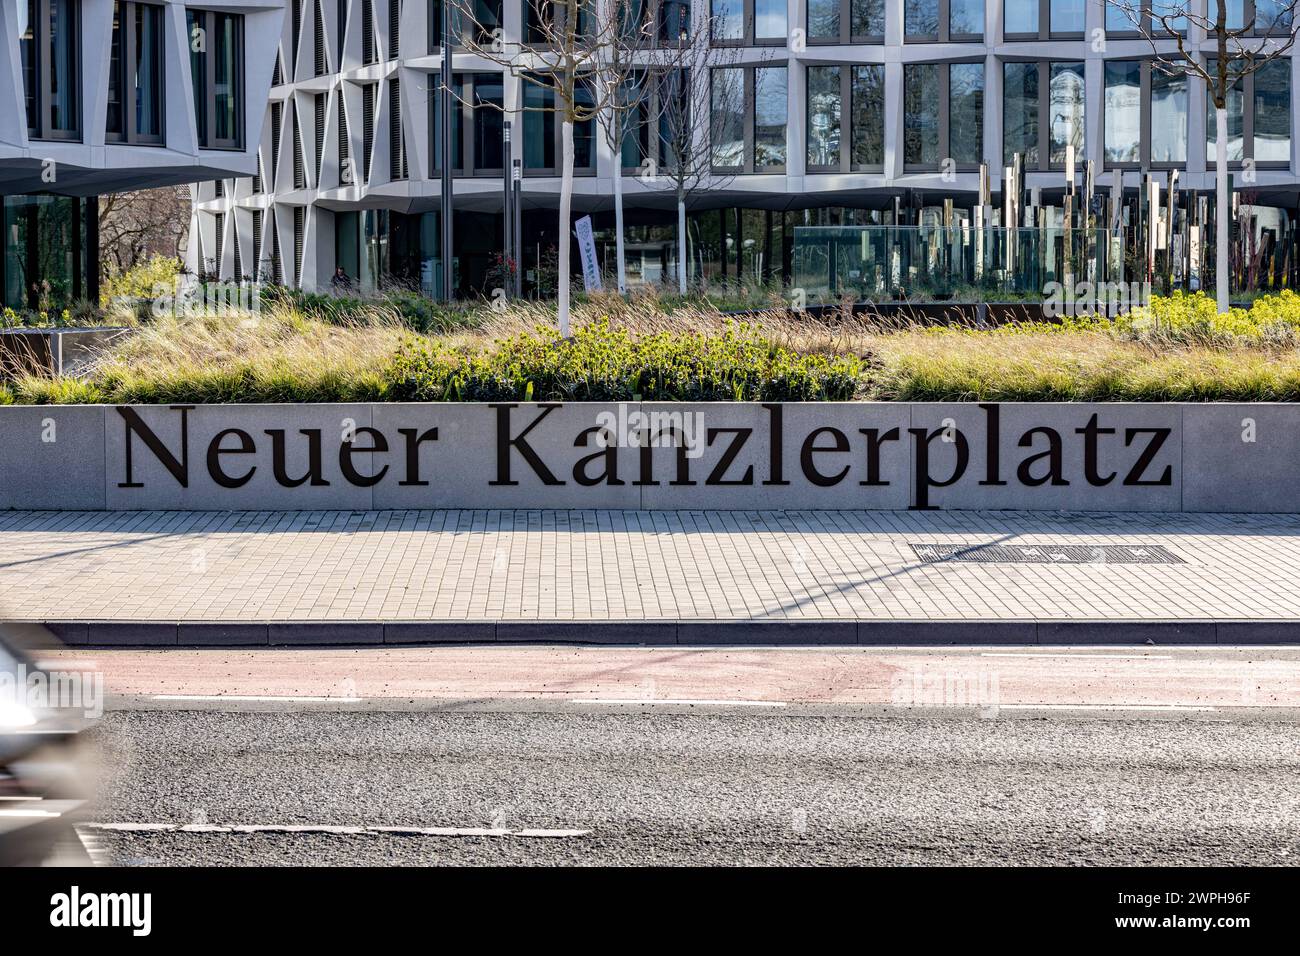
{"points": [[602, 363], [141, 281], [1192, 318]]}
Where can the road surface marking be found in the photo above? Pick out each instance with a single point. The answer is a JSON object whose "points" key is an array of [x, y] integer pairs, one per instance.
{"points": [[1085, 657], [331, 829], [677, 701], [256, 697], [1152, 707]]}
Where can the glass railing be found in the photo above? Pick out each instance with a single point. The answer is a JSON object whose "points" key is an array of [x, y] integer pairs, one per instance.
{"points": [[956, 263]]}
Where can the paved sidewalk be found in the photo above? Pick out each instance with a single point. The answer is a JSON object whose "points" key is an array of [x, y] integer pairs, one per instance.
{"points": [[639, 566]]}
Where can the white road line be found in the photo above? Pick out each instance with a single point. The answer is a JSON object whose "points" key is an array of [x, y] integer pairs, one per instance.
{"points": [[678, 701], [330, 829], [1086, 657], [256, 697], [1144, 707]]}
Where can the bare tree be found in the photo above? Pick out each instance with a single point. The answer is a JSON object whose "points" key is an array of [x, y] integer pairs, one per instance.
{"points": [[565, 50], [700, 128], [136, 225], [1174, 29], [622, 70]]}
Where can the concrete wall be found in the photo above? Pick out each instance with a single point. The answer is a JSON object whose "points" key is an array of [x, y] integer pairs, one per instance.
{"points": [[1077, 457]]}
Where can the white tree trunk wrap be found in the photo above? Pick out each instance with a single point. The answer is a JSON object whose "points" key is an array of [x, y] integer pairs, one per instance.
{"points": [[1221, 280], [566, 204]]}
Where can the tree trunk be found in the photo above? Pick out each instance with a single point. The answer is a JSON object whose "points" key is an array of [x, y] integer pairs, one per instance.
{"points": [[618, 223], [1221, 231], [566, 227], [681, 244]]}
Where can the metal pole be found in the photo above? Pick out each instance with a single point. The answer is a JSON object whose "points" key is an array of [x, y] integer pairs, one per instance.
{"points": [[517, 226], [507, 216], [445, 100]]}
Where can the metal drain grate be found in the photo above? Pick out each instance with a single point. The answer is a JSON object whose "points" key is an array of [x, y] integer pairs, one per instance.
{"points": [[1047, 553]]}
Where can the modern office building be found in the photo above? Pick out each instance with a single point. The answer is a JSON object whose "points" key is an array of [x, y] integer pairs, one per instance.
{"points": [[846, 112], [113, 95]]}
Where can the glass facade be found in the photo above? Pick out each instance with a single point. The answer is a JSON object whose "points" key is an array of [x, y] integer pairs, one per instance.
{"points": [[49, 261]]}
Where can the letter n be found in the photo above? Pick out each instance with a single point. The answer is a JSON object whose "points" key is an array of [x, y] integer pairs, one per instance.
{"points": [[180, 469]]}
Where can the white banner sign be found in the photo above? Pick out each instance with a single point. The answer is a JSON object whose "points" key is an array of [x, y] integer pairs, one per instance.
{"points": [[587, 249]]}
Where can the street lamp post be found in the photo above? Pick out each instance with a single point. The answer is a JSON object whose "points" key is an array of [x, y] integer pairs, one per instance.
{"points": [[445, 99]]}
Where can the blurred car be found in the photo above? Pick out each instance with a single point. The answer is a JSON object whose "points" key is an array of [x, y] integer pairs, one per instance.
{"points": [[45, 780]]}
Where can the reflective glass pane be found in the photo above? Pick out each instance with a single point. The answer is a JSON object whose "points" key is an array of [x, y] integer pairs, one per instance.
{"points": [[769, 19], [966, 17], [1020, 16], [823, 19], [769, 116], [1020, 112], [1123, 111], [824, 116], [728, 19], [1065, 110], [868, 18], [921, 113], [1273, 112], [1168, 117], [727, 98], [1067, 16], [966, 112], [539, 129], [868, 115], [921, 18], [1235, 103]]}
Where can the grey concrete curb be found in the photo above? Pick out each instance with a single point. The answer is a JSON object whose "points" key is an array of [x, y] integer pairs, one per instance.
{"points": [[880, 633]]}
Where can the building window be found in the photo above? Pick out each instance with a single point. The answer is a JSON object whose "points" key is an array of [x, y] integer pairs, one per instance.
{"points": [[48, 32], [748, 118], [727, 109], [216, 73], [1042, 19], [477, 100], [831, 148], [479, 27], [544, 19], [135, 75], [846, 21], [770, 117], [1041, 128], [943, 110], [544, 130], [1145, 114], [651, 135], [943, 21], [1259, 116], [748, 22]]}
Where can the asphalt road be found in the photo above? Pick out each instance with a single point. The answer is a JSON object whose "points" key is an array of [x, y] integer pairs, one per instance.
{"points": [[675, 784]]}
